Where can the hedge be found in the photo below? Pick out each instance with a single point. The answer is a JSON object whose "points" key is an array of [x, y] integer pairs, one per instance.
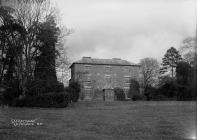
{"points": [[119, 94], [45, 100]]}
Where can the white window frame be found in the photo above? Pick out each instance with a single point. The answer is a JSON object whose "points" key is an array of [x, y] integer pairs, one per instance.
{"points": [[85, 86], [108, 76]]}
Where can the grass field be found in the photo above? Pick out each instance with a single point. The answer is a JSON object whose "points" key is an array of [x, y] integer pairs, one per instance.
{"points": [[103, 121]]}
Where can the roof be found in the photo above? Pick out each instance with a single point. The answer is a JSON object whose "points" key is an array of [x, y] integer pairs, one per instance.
{"points": [[96, 61]]}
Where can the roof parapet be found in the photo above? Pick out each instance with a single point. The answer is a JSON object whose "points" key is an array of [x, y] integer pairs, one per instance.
{"points": [[85, 57], [116, 58]]}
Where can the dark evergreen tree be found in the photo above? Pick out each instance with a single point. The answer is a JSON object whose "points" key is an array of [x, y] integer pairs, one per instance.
{"points": [[170, 60], [11, 36], [194, 73], [183, 73], [74, 90], [45, 63], [184, 80], [168, 87]]}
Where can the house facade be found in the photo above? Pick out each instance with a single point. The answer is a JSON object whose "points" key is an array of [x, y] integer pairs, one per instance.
{"points": [[98, 75]]}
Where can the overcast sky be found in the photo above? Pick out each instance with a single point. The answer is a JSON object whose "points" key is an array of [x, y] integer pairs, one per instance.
{"points": [[127, 29]]}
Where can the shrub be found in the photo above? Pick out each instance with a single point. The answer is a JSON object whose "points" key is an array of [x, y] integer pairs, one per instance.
{"points": [[119, 94], [168, 88], [154, 94], [2, 91], [55, 87], [184, 93], [74, 90], [183, 73], [45, 100], [136, 97], [39, 87], [97, 93], [150, 92], [159, 97], [35, 87], [10, 94], [134, 90]]}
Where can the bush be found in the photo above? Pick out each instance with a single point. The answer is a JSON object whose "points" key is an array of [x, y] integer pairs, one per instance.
{"points": [[10, 95], [153, 93], [97, 94], [150, 92], [37, 87], [55, 87], [136, 97], [184, 93], [45, 100], [2, 91], [159, 97], [134, 90], [119, 94], [168, 88], [74, 90]]}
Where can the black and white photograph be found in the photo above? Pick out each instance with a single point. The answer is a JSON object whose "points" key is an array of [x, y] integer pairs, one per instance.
{"points": [[98, 69]]}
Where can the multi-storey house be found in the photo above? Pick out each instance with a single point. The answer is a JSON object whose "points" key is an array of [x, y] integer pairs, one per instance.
{"points": [[103, 74]]}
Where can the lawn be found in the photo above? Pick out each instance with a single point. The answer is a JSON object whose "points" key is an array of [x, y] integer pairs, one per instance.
{"points": [[102, 121]]}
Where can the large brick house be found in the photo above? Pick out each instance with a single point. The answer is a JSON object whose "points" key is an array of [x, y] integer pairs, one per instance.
{"points": [[97, 75]]}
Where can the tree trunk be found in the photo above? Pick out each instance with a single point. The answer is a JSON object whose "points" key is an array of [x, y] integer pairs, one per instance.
{"points": [[2, 71], [172, 72]]}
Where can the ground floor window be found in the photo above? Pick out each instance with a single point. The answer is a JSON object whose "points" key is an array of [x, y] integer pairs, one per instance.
{"points": [[87, 93]]}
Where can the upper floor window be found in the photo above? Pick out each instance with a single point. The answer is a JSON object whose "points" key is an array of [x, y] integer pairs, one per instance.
{"points": [[126, 70], [87, 68], [108, 69], [127, 80], [108, 79], [87, 84], [87, 77]]}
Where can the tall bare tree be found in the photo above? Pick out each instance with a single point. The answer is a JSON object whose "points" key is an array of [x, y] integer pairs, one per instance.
{"points": [[62, 61], [187, 50], [29, 14], [12, 35], [149, 72]]}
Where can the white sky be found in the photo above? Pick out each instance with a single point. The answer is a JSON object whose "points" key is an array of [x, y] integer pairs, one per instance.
{"points": [[127, 29]]}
